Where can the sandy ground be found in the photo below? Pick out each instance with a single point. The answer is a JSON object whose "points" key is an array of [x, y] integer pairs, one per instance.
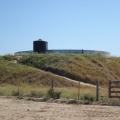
{"points": [[12, 109]]}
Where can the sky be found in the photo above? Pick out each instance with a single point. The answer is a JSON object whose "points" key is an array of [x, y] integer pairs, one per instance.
{"points": [[64, 24]]}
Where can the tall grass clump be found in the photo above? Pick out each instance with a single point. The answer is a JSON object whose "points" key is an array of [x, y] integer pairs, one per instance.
{"points": [[54, 93], [36, 94], [88, 97]]}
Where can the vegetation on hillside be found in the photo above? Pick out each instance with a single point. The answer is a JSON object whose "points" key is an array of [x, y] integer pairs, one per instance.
{"points": [[12, 73], [87, 68], [32, 74]]}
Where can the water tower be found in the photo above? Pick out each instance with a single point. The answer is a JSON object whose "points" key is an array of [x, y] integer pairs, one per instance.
{"points": [[40, 46]]}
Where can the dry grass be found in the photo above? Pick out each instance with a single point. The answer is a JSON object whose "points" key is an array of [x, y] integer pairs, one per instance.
{"points": [[11, 73], [25, 89], [35, 72], [86, 68], [67, 92]]}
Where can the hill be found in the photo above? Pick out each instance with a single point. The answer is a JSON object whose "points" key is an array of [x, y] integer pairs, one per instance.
{"points": [[12, 73], [87, 68]]}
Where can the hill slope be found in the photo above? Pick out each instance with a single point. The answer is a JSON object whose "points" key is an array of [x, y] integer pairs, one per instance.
{"points": [[86, 68], [12, 73]]}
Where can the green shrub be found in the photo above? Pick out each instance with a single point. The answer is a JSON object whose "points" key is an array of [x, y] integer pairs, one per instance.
{"points": [[36, 94], [14, 93], [2, 58], [8, 57], [20, 96], [50, 93], [54, 94], [57, 94], [88, 96]]}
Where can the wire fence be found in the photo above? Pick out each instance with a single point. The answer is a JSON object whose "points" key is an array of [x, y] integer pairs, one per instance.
{"points": [[97, 93]]}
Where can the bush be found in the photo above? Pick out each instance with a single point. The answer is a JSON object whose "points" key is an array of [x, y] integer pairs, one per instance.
{"points": [[8, 57], [20, 96], [2, 58], [14, 93], [88, 96], [54, 94], [36, 94]]}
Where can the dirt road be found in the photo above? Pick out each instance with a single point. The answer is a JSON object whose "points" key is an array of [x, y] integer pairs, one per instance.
{"points": [[12, 109], [82, 83]]}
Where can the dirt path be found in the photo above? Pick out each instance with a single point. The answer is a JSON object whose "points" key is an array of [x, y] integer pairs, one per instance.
{"points": [[12, 109], [82, 83]]}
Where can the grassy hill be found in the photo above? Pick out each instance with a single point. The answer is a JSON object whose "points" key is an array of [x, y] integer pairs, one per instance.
{"points": [[12, 73], [87, 68]]}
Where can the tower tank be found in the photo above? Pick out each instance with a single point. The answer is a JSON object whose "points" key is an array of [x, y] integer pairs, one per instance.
{"points": [[40, 46]]}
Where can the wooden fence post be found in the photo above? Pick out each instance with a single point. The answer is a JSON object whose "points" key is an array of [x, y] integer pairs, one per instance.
{"points": [[79, 91], [52, 87], [52, 84], [109, 89], [97, 90]]}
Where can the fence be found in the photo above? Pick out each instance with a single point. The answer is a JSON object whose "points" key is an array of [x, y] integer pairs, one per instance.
{"points": [[114, 89], [76, 91]]}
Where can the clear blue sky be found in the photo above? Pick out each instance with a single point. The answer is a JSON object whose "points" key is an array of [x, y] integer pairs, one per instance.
{"points": [[65, 24]]}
